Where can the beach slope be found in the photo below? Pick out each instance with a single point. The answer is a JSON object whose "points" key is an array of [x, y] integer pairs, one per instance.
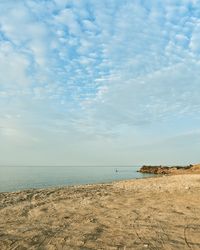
{"points": [[153, 213]]}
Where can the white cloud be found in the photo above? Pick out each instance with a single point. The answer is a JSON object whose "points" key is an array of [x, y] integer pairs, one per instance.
{"points": [[67, 18], [195, 38], [89, 25], [13, 66], [62, 3]]}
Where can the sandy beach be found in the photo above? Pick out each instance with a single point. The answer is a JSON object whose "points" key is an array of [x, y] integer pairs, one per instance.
{"points": [[154, 213]]}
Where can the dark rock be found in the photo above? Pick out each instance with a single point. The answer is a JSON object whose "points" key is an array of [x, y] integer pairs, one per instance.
{"points": [[163, 169]]}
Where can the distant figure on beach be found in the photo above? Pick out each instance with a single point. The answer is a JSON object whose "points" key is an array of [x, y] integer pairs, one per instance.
{"points": [[116, 170]]}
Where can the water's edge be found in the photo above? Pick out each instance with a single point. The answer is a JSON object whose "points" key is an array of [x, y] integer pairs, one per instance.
{"points": [[14, 179]]}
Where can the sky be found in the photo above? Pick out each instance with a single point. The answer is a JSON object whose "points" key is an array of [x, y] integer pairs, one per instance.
{"points": [[89, 82]]}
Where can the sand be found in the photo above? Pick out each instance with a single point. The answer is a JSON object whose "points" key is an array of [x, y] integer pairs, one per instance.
{"points": [[153, 213]]}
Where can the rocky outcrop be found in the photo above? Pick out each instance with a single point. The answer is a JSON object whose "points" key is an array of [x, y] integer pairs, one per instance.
{"points": [[170, 170]]}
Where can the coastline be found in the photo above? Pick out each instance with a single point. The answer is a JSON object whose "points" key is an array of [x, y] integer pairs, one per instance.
{"points": [[25, 178], [160, 212]]}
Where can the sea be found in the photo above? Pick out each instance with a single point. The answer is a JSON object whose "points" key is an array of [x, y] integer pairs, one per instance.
{"points": [[16, 178]]}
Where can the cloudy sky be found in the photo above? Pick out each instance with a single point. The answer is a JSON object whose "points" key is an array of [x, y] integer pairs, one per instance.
{"points": [[89, 82]]}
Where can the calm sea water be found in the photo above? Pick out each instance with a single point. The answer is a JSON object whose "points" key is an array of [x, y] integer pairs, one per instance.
{"points": [[20, 178]]}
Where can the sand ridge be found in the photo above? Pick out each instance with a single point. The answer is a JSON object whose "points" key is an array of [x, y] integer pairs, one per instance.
{"points": [[152, 213]]}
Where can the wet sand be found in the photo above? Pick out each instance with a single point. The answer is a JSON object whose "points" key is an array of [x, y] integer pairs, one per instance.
{"points": [[154, 213]]}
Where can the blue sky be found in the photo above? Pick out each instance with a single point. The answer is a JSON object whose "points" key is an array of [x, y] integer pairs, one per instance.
{"points": [[91, 82]]}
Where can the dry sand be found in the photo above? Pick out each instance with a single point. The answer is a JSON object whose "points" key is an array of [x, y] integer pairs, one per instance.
{"points": [[153, 213]]}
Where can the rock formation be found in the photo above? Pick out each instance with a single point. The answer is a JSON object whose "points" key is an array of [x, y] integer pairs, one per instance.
{"points": [[170, 170]]}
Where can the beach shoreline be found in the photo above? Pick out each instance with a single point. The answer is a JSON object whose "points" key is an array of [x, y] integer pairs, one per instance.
{"points": [[25, 178], [160, 212]]}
